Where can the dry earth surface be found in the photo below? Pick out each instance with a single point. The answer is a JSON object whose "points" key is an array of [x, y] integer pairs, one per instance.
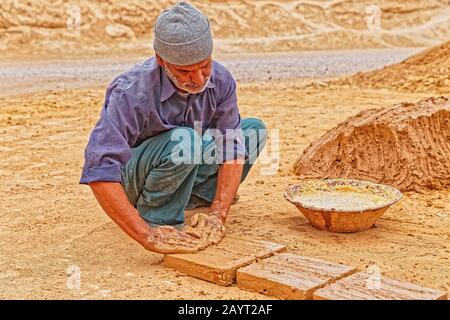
{"points": [[49, 222], [50, 225], [113, 27]]}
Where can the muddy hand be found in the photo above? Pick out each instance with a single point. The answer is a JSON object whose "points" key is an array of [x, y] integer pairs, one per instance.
{"points": [[207, 227], [167, 239]]}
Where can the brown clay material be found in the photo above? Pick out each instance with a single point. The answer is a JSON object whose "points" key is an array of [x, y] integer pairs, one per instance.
{"points": [[363, 286], [252, 26], [289, 276], [426, 71], [343, 222], [406, 146], [219, 263]]}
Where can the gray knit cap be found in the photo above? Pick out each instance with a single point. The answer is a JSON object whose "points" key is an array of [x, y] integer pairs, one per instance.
{"points": [[182, 35]]}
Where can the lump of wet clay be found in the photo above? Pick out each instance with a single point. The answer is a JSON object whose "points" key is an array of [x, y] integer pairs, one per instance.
{"points": [[406, 145]]}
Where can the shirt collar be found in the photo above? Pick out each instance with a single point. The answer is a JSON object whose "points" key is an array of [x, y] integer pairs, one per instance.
{"points": [[168, 89]]}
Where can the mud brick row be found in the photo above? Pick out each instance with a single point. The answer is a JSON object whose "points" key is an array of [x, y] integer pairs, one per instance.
{"points": [[289, 276], [219, 263], [362, 286], [264, 267]]}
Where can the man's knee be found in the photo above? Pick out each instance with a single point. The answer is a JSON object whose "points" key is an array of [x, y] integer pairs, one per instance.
{"points": [[255, 134], [253, 123]]}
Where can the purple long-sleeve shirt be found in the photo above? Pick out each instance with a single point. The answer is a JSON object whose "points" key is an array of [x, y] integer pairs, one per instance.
{"points": [[142, 102]]}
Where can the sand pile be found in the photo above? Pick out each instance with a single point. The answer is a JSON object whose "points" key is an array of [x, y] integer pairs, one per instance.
{"points": [[239, 25], [406, 145], [428, 71]]}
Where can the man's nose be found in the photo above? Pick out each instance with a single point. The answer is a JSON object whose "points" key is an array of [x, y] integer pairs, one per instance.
{"points": [[197, 77]]}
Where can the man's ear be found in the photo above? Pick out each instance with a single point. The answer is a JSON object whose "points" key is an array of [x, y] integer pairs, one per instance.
{"points": [[160, 60]]}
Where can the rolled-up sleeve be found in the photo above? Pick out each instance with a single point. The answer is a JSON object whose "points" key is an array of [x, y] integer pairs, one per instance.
{"points": [[109, 147], [227, 121]]}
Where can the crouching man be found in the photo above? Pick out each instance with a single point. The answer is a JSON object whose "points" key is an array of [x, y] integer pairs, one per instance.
{"points": [[170, 138]]}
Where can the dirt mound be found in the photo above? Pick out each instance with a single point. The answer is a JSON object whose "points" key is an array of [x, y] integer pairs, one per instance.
{"points": [[406, 145], [239, 25], [427, 71]]}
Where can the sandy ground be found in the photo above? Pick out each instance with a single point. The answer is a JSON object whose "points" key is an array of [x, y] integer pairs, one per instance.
{"points": [[49, 223]]}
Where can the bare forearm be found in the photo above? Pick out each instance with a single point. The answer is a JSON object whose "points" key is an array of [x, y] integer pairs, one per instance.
{"points": [[228, 181], [113, 200]]}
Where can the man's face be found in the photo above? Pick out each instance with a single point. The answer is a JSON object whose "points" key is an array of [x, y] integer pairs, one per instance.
{"points": [[192, 79]]}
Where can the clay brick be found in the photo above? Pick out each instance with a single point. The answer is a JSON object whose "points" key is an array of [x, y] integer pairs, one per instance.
{"points": [[356, 287], [289, 276], [219, 263]]}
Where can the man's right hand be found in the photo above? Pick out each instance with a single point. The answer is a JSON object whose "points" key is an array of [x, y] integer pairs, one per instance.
{"points": [[114, 201], [167, 239]]}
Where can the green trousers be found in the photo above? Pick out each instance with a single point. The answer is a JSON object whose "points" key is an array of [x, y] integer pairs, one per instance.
{"points": [[160, 188]]}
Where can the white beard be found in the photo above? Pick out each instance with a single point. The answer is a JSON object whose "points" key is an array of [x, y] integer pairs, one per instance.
{"points": [[183, 86]]}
